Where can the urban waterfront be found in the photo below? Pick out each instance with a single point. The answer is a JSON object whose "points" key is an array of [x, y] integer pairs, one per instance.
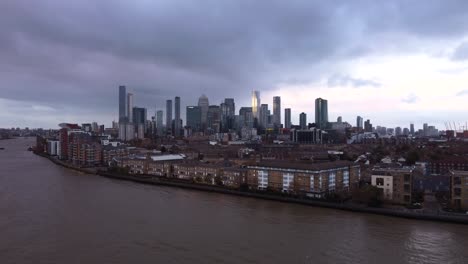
{"points": [[49, 214]]}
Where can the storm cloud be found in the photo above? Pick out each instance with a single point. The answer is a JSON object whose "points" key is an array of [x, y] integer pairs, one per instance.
{"points": [[71, 56]]}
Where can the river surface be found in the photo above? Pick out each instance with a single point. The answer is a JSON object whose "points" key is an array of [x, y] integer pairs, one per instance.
{"points": [[49, 214]]}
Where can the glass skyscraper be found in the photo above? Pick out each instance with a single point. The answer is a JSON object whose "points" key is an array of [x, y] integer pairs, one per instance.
{"points": [[321, 113]]}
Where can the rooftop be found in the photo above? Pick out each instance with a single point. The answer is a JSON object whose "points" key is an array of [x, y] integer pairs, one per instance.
{"points": [[302, 165]]}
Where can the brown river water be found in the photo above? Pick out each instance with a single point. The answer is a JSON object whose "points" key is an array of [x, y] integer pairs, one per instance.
{"points": [[49, 214]]}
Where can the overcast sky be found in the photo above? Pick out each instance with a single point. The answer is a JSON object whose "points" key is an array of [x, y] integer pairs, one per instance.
{"points": [[394, 62]]}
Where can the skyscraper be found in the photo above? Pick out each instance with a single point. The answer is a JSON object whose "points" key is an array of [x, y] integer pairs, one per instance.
{"points": [[263, 116], [169, 116], [303, 120], [130, 107], [122, 103], [277, 111], [159, 122], [287, 118], [412, 129], [321, 113], [177, 124], [228, 111], [214, 118], [339, 119], [359, 121], [255, 104], [139, 115], [204, 104], [194, 118]]}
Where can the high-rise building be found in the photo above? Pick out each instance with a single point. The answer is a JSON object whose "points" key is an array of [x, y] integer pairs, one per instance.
{"points": [[214, 118], [277, 111], [245, 117], [255, 104], [168, 116], [303, 120], [139, 115], [194, 118], [287, 118], [412, 129], [368, 126], [204, 104], [130, 107], [321, 113], [122, 103], [228, 111], [263, 116], [359, 122], [177, 120], [159, 122]]}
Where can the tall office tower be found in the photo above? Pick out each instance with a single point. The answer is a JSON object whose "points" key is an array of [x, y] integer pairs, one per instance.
{"points": [[303, 120], [227, 114], [122, 103], [245, 117], [368, 126], [263, 115], [339, 120], [321, 113], [359, 122], [194, 118], [255, 104], [287, 118], [425, 129], [214, 118], [139, 115], [177, 121], [159, 122], [115, 125], [204, 104], [412, 129], [168, 116], [130, 107], [277, 111]]}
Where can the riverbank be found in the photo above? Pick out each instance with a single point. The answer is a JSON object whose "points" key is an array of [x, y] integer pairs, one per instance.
{"points": [[265, 196]]}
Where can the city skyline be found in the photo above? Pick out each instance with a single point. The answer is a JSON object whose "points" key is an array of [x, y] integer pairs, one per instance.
{"points": [[53, 71]]}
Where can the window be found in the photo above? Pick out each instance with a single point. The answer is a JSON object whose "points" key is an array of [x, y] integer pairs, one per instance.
{"points": [[331, 181], [288, 179], [312, 183], [457, 191], [407, 177], [407, 188], [346, 178], [379, 181], [457, 180], [262, 179]]}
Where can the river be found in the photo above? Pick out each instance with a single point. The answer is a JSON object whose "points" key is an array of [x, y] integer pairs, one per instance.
{"points": [[49, 214]]}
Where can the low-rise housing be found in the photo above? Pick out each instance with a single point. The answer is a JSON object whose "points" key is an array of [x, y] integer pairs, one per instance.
{"points": [[395, 183], [459, 190]]}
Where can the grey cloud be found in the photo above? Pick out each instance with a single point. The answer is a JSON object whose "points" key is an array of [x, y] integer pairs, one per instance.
{"points": [[345, 80], [461, 52], [462, 93], [71, 54], [410, 99]]}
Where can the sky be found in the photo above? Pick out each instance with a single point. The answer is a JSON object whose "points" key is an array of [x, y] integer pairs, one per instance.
{"points": [[393, 62]]}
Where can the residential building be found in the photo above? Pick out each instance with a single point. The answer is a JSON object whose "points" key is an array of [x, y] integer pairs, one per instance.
{"points": [[459, 190], [395, 183], [317, 180], [303, 121]]}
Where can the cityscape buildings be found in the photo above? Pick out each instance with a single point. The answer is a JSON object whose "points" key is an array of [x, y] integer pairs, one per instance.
{"points": [[321, 113], [287, 118], [277, 111], [177, 120], [303, 120], [255, 104]]}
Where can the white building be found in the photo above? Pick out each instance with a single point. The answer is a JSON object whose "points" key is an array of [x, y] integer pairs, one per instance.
{"points": [[384, 182]]}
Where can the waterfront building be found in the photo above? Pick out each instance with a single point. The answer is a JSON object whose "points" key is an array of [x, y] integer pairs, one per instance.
{"points": [[459, 190], [234, 177], [287, 118], [303, 121], [317, 180], [321, 113], [396, 183]]}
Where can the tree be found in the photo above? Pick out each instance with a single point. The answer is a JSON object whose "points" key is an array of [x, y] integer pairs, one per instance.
{"points": [[370, 195], [412, 157]]}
